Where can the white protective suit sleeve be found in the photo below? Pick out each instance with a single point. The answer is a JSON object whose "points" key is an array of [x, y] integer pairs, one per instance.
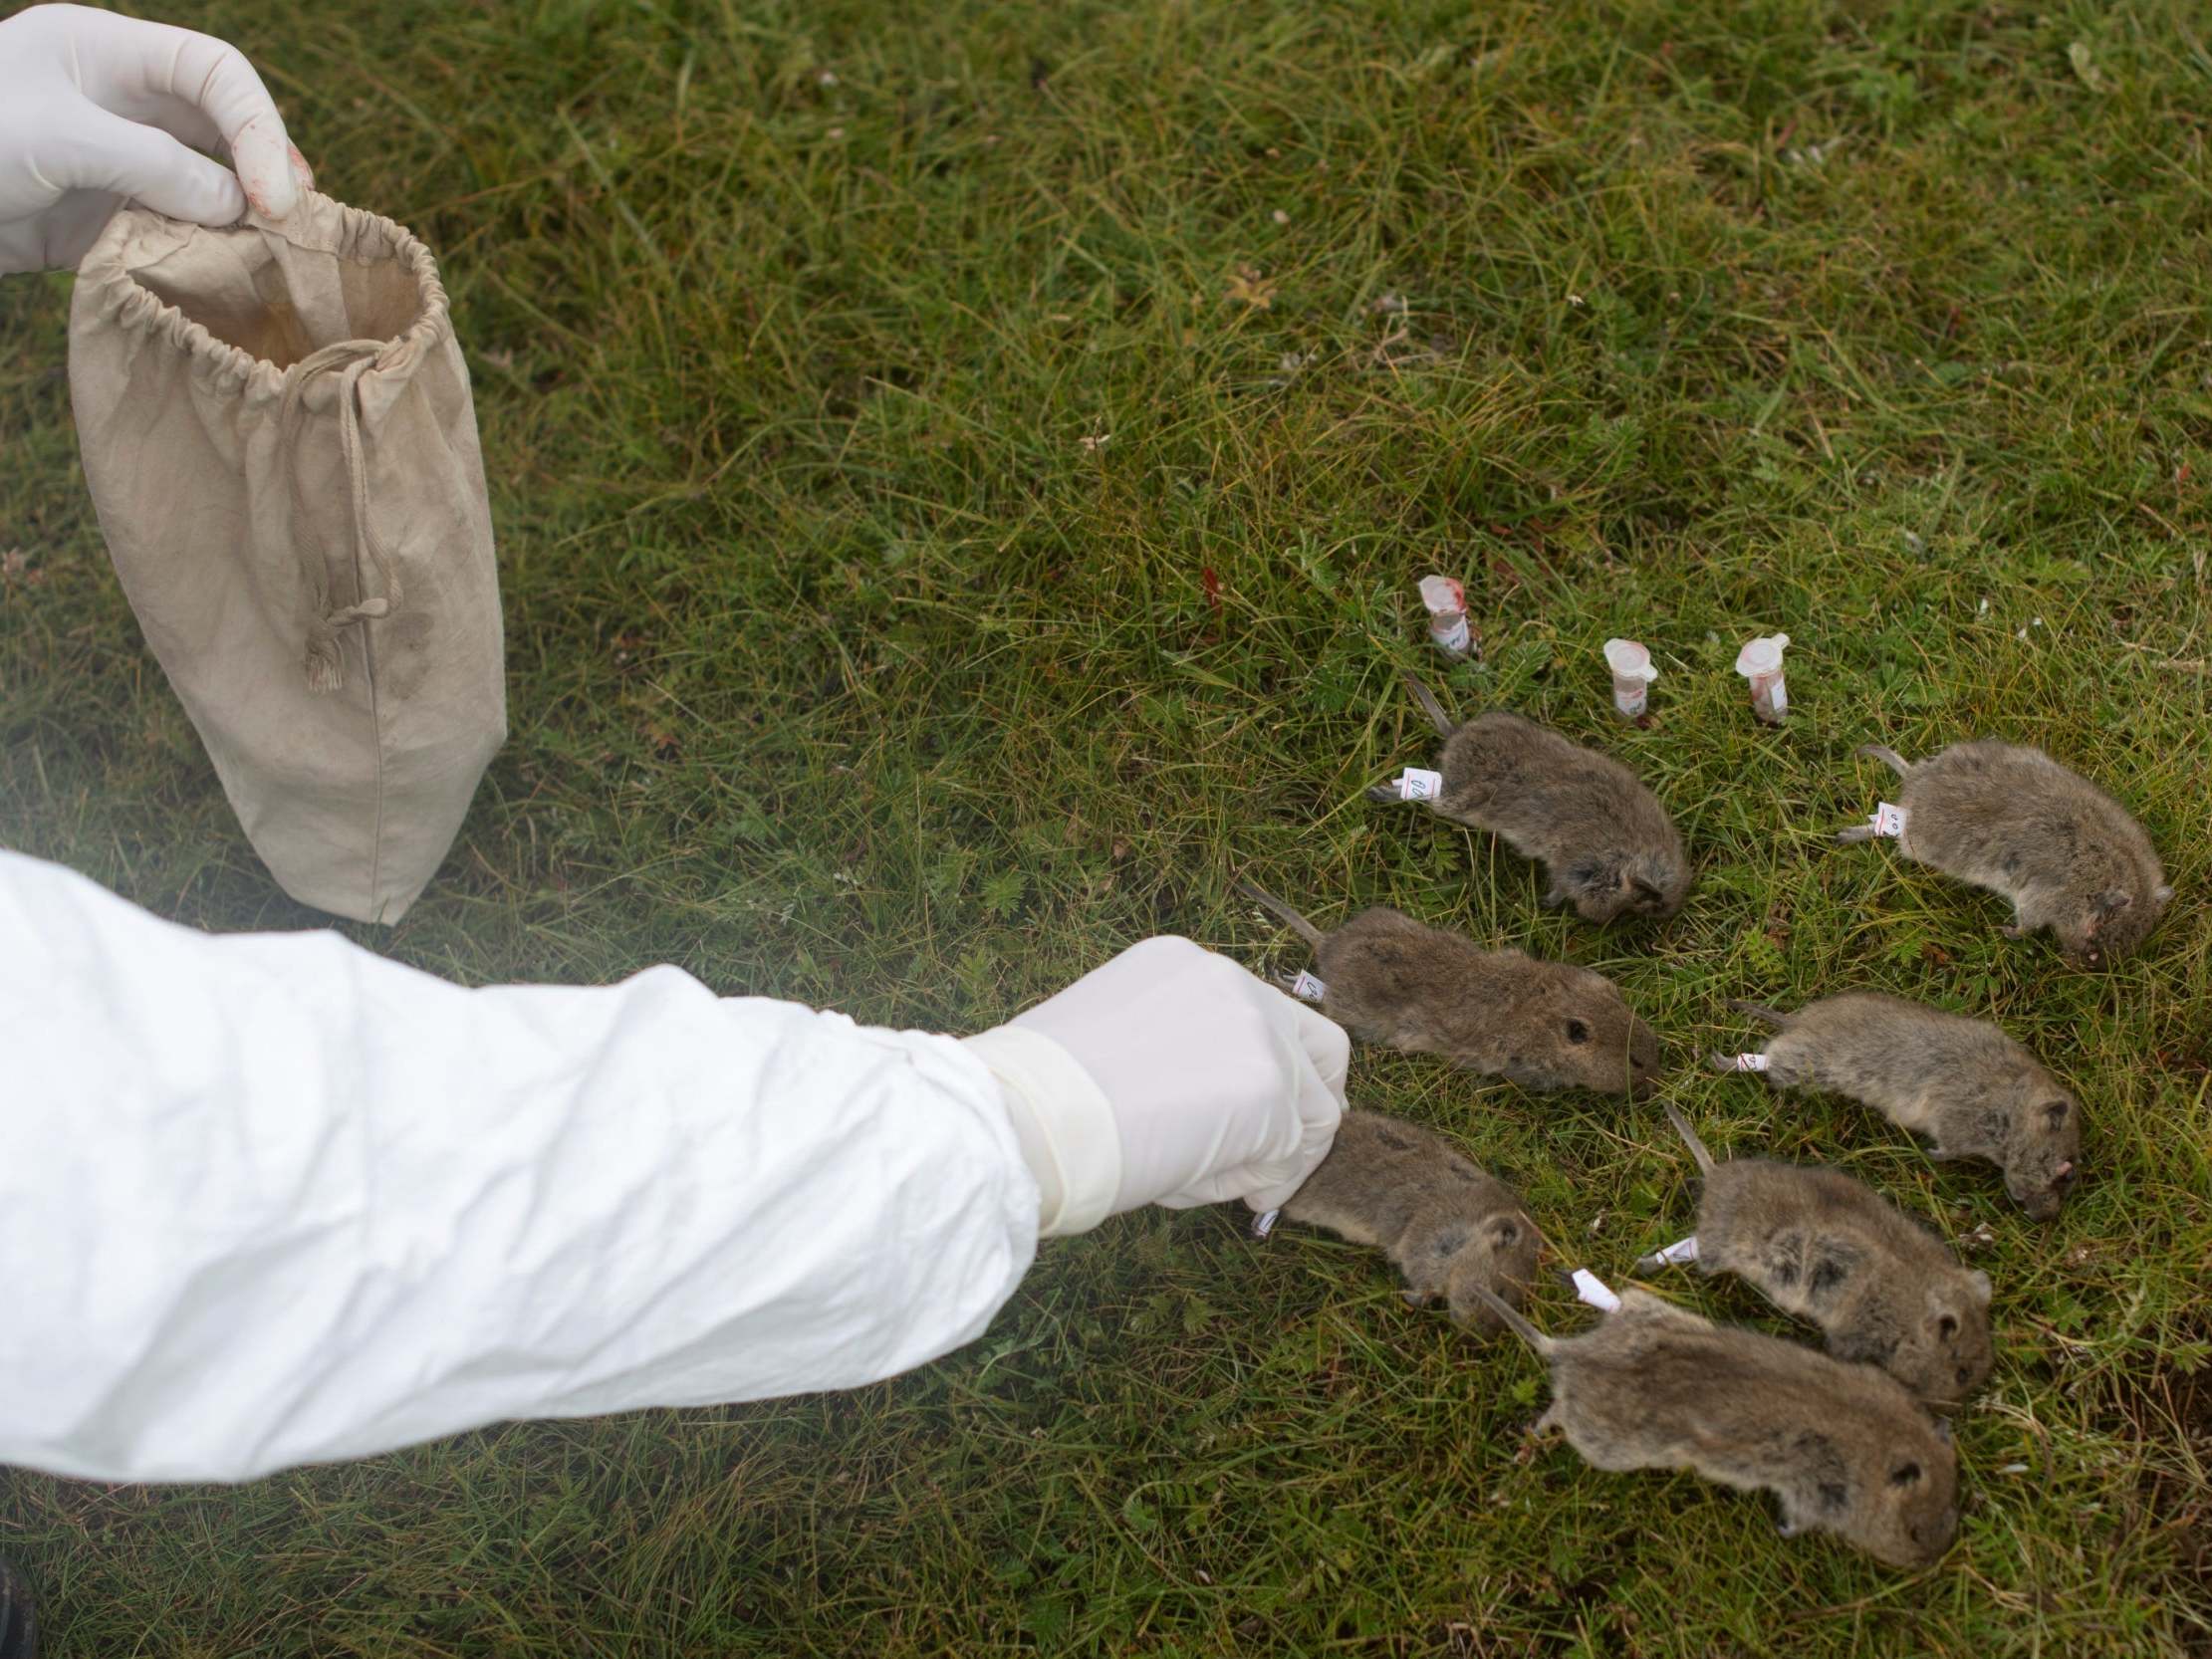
{"points": [[272, 1199]]}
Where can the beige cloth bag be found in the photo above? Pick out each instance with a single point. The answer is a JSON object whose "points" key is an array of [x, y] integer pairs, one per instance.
{"points": [[278, 433]]}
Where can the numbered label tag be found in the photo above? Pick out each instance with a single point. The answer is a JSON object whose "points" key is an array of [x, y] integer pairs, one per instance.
{"points": [[1889, 820], [1417, 783], [1307, 989], [1263, 1225], [1455, 640], [1592, 1290], [1676, 1254], [1750, 1063]]}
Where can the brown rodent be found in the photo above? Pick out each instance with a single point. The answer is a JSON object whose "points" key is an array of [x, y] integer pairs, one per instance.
{"points": [[2013, 819], [1447, 1225], [1843, 1447], [1543, 1025], [1819, 1245], [1608, 846], [1962, 1082]]}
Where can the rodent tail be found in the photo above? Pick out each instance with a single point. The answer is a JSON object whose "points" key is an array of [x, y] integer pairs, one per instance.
{"points": [[1888, 757], [1267, 901], [1759, 1011], [1446, 725], [1689, 1137], [1512, 1318]]}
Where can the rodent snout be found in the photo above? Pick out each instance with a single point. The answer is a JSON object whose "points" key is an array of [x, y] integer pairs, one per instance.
{"points": [[2044, 1205], [1932, 1539], [1644, 1058]]}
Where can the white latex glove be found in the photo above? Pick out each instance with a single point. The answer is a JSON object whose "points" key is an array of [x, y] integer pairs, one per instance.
{"points": [[96, 110], [1172, 1076]]}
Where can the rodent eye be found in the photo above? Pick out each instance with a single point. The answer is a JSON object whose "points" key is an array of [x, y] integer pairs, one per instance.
{"points": [[1962, 1376], [1507, 1233], [1905, 1474], [1577, 1031]]}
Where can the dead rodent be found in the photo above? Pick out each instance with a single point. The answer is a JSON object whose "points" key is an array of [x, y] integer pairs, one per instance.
{"points": [[1820, 1244], [1843, 1447], [1608, 846], [1446, 1225], [1545, 1025], [1962, 1082], [2013, 819]]}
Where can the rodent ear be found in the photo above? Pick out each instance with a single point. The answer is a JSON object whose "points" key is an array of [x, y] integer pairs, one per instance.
{"points": [[1943, 1430], [1649, 892], [1978, 1282], [1577, 1031], [2111, 902], [1905, 1474], [2161, 895], [2054, 1114]]}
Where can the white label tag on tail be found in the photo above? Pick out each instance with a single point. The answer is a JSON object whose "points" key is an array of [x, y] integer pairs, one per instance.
{"points": [[1750, 1063], [1417, 783], [1889, 820], [1676, 1254], [1307, 989], [1592, 1290], [1263, 1225]]}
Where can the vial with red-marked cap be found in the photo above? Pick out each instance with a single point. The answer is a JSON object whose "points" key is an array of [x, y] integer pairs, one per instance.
{"points": [[1446, 601]]}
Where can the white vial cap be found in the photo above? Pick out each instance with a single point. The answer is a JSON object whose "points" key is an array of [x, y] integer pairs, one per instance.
{"points": [[1630, 662], [1762, 655], [1442, 594]]}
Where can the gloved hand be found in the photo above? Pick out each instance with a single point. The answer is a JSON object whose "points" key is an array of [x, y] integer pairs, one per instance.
{"points": [[1172, 1076], [97, 109]]}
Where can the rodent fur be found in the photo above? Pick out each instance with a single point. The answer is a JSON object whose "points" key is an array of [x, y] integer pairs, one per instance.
{"points": [[1543, 1024], [1832, 1250], [1448, 1226], [1843, 1447], [2010, 819], [1607, 844], [1962, 1082]]}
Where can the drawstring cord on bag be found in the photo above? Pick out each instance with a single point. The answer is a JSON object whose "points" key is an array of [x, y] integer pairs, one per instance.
{"points": [[350, 359]]}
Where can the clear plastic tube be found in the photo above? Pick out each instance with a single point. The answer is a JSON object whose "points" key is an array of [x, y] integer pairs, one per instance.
{"points": [[1632, 675], [1446, 601], [1760, 662]]}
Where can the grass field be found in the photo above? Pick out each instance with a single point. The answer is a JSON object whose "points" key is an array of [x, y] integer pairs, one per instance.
{"points": [[961, 472]]}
